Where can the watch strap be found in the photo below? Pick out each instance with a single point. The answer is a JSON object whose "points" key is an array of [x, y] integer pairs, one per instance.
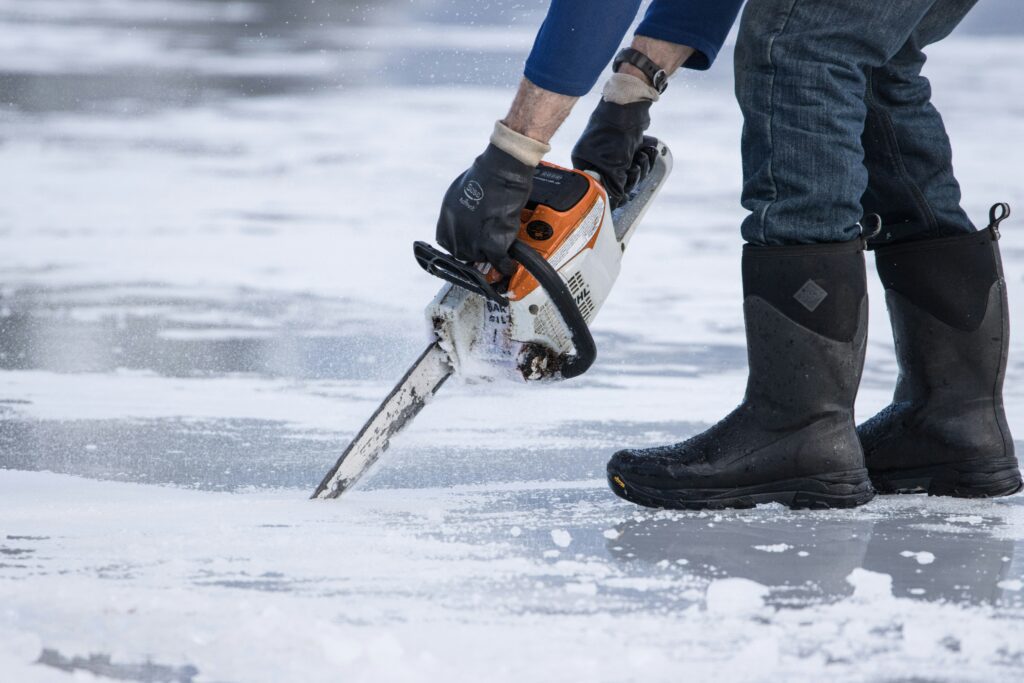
{"points": [[655, 74]]}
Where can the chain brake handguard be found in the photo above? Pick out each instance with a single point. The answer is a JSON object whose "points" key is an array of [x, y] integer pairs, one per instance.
{"points": [[465, 275]]}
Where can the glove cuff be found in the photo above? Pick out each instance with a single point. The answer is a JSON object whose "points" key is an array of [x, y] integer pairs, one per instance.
{"points": [[627, 89], [522, 148]]}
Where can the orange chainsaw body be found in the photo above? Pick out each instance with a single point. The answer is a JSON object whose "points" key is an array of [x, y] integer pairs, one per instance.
{"points": [[547, 227]]}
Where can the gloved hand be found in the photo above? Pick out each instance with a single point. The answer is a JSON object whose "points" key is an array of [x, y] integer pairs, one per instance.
{"points": [[612, 145], [480, 213]]}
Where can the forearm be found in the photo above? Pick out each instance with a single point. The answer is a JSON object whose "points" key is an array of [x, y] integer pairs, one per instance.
{"points": [[537, 113]]}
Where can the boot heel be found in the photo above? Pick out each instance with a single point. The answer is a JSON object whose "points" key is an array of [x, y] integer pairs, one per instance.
{"points": [[982, 478]]}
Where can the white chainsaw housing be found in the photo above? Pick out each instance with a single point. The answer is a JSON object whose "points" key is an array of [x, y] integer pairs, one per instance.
{"points": [[527, 339]]}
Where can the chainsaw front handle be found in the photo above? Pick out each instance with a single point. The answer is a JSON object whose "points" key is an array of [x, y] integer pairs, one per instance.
{"points": [[447, 267], [537, 266]]}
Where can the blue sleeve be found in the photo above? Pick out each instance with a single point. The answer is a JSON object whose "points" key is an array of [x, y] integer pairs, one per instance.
{"points": [[701, 24], [576, 41], [579, 37]]}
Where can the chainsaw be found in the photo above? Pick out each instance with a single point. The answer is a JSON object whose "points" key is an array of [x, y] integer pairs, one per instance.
{"points": [[532, 326]]}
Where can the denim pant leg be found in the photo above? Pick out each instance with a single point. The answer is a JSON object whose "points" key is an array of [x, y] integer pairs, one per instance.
{"points": [[800, 80], [906, 150]]}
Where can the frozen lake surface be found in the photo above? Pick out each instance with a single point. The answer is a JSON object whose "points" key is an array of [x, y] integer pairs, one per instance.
{"points": [[206, 286]]}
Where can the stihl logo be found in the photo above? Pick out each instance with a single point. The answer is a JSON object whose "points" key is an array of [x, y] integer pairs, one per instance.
{"points": [[582, 297]]}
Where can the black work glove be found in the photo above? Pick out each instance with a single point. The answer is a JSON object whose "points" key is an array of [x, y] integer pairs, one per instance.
{"points": [[480, 212], [612, 145]]}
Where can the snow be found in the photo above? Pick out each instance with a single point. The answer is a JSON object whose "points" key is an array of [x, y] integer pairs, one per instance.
{"points": [[968, 519], [207, 288], [561, 538], [266, 585], [735, 596], [869, 586], [776, 548]]}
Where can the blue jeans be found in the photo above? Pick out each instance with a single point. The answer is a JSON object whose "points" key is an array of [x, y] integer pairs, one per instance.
{"points": [[838, 120]]}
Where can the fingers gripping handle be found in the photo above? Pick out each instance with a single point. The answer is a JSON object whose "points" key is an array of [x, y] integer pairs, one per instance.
{"points": [[463, 275]]}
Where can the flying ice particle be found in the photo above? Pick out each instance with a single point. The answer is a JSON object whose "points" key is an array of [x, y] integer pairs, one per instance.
{"points": [[561, 537]]}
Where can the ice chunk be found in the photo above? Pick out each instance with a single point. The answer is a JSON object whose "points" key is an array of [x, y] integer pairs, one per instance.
{"points": [[776, 548], [869, 585], [561, 537], [923, 557]]}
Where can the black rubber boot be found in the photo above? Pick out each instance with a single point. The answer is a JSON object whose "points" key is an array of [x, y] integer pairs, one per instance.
{"points": [[945, 432], [793, 439]]}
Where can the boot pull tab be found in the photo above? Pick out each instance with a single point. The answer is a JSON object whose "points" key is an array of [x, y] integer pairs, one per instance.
{"points": [[870, 227], [996, 215]]}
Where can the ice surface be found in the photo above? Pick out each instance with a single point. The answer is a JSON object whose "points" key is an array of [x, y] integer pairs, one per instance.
{"points": [[207, 287], [403, 584]]}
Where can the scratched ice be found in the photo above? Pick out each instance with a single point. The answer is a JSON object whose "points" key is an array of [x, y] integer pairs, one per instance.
{"points": [[207, 286]]}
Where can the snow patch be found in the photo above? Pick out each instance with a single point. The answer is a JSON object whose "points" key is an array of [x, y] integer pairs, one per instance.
{"points": [[965, 519], [776, 548], [922, 557], [735, 596]]}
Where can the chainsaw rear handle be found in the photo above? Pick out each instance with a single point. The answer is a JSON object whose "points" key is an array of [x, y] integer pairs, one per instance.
{"points": [[447, 267], [463, 275]]}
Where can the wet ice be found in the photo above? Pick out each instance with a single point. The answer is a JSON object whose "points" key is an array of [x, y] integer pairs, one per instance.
{"points": [[207, 287]]}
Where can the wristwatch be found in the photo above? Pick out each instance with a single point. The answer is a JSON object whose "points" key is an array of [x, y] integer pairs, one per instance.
{"points": [[655, 74]]}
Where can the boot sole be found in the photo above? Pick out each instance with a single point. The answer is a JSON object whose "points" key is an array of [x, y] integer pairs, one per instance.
{"points": [[982, 478], [821, 492]]}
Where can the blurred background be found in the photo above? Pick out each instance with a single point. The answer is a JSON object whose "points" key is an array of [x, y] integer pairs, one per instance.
{"points": [[127, 57]]}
